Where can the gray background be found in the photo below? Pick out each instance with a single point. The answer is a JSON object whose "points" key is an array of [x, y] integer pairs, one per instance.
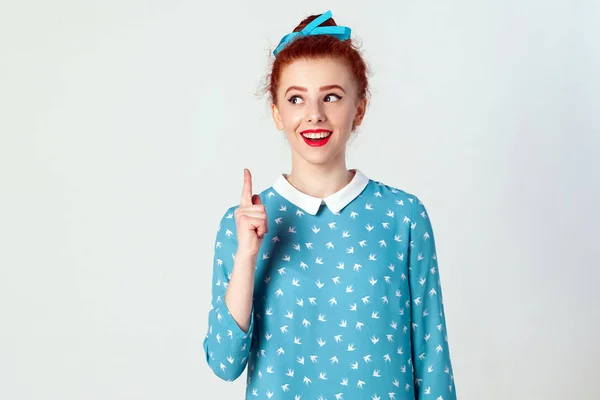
{"points": [[125, 127]]}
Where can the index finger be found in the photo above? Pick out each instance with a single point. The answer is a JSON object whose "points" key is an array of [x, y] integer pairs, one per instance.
{"points": [[247, 189]]}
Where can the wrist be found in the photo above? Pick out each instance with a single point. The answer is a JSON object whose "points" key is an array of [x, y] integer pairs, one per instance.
{"points": [[246, 258]]}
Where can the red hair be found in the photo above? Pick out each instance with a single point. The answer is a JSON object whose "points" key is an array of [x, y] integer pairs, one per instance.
{"points": [[315, 47]]}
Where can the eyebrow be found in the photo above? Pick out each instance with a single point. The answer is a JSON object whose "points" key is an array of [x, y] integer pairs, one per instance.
{"points": [[322, 88]]}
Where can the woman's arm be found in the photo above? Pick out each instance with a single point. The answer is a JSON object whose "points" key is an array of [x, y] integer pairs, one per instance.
{"points": [[231, 319], [430, 350]]}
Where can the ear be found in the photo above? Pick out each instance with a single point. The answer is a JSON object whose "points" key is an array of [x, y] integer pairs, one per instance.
{"points": [[361, 108], [276, 117]]}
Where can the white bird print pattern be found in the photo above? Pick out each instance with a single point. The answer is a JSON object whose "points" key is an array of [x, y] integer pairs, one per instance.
{"points": [[340, 316]]}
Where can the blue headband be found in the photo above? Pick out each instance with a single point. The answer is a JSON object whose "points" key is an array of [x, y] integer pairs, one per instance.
{"points": [[313, 28]]}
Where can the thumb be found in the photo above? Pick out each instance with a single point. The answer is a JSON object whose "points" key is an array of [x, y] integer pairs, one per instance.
{"points": [[256, 199]]}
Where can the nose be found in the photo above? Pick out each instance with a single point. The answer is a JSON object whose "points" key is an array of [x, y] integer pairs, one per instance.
{"points": [[315, 113]]}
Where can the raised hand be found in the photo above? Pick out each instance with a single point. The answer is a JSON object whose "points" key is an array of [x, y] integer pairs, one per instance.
{"points": [[250, 219]]}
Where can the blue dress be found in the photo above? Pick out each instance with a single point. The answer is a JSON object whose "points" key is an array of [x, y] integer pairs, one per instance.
{"points": [[347, 299]]}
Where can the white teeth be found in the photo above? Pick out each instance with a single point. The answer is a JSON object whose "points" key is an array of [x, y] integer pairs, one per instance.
{"points": [[316, 135]]}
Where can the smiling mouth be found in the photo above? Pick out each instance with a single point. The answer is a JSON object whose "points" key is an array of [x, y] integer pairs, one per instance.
{"points": [[317, 139], [316, 136]]}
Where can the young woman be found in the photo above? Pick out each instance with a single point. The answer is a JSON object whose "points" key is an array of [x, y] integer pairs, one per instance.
{"points": [[326, 284]]}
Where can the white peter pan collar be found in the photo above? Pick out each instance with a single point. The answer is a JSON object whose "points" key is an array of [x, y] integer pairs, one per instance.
{"points": [[336, 201]]}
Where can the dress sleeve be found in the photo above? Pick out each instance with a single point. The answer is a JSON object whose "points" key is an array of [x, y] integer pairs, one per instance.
{"points": [[226, 345], [430, 351]]}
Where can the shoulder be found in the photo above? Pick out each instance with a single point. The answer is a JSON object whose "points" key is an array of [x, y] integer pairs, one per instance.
{"points": [[407, 205], [227, 220], [399, 196], [228, 212]]}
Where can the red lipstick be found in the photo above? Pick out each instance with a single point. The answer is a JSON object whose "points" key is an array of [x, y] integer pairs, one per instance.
{"points": [[316, 142]]}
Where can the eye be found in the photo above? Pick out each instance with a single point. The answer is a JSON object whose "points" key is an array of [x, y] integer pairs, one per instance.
{"points": [[334, 96], [291, 99]]}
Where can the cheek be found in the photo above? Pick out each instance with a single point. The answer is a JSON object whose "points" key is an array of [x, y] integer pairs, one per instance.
{"points": [[341, 116], [291, 118]]}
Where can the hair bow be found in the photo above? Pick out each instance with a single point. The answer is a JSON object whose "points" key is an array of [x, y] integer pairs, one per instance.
{"points": [[313, 28]]}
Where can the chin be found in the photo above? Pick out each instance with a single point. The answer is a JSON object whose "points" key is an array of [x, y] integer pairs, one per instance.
{"points": [[319, 156], [317, 160]]}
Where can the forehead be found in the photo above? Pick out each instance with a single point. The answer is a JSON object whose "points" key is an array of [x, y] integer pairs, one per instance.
{"points": [[314, 73]]}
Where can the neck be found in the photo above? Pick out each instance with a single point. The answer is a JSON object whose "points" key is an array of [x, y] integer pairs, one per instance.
{"points": [[319, 180]]}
